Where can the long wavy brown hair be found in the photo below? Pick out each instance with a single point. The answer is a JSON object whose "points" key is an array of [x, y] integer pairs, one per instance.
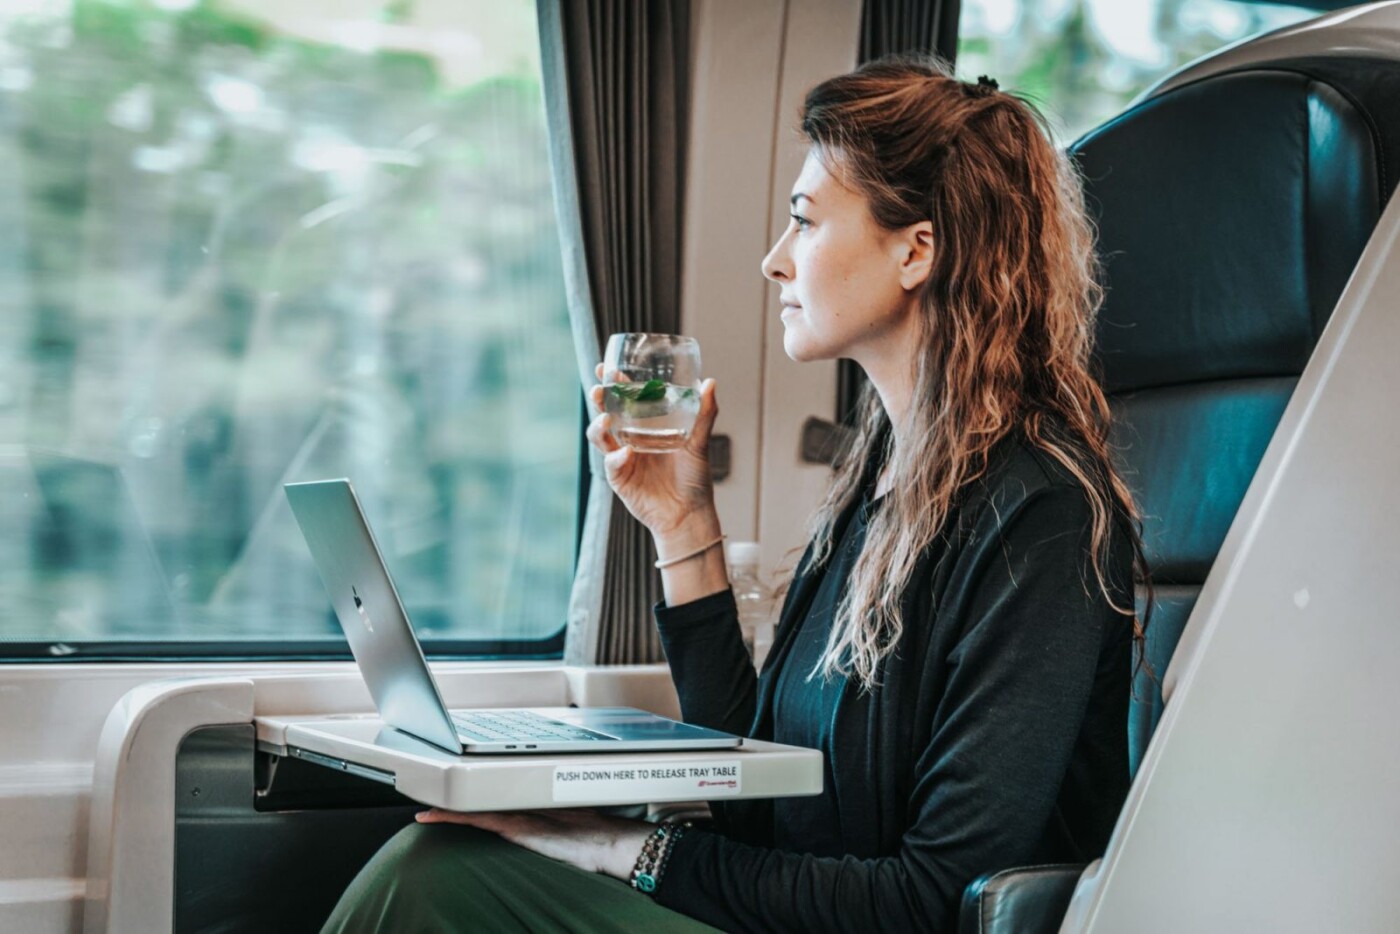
{"points": [[1006, 326]]}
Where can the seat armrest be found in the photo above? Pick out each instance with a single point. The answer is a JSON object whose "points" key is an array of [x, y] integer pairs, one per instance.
{"points": [[1028, 900]]}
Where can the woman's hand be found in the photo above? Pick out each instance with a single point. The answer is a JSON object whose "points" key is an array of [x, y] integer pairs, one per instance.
{"points": [[671, 493], [579, 836]]}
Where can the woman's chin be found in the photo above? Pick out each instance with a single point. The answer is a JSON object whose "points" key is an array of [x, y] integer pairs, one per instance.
{"points": [[797, 349], [796, 357]]}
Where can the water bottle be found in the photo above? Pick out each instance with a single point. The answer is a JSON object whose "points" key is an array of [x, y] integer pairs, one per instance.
{"points": [[754, 598]]}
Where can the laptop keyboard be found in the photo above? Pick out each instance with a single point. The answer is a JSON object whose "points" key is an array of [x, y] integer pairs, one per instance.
{"points": [[519, 726]]}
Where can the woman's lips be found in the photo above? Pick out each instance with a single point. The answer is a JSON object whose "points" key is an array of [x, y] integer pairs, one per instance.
{"points": [[790, 309]]}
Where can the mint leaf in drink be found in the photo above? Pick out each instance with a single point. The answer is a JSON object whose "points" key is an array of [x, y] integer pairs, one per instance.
{"points": [[627, 392], [653, 390]]}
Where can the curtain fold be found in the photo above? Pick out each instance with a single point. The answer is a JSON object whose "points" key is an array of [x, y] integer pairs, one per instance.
{"points": [[888, 27], [616, 100]]}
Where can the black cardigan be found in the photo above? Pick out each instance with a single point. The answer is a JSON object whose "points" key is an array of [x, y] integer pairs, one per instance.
{"points": [[997, 736]]}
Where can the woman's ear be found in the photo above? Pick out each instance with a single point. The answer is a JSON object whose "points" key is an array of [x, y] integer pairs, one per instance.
{"points": [[916, 255]]}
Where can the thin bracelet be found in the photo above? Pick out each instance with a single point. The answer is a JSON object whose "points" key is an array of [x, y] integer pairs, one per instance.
{"points": [[694, 554]]}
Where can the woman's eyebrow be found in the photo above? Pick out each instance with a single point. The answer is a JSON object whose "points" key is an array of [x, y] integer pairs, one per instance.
{"points": [[797, 195]]}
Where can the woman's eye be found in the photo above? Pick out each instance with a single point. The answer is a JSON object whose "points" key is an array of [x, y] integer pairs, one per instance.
{"points": [[802, 222]]}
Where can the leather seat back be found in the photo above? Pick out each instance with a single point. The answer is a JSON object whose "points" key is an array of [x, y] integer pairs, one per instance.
{"points": [[1231, 212]]}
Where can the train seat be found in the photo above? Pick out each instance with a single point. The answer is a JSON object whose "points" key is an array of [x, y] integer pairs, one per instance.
{"points": [[1232, 205]]}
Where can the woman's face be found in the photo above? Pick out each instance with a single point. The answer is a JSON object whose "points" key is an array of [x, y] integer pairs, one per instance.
{"points": [[848, 287]]}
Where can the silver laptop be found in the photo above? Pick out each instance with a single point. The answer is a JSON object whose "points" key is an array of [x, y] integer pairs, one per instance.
{"points": [[398, 677]]}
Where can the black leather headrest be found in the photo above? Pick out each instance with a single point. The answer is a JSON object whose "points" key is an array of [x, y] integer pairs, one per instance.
{"points": [[1239, 206], [1231, 213]]}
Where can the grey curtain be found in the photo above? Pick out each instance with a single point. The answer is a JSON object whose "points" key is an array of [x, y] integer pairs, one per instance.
{"points": [[616, 98], [888, 27]]}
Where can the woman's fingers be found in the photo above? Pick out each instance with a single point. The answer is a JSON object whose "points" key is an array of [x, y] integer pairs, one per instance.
{"points": [[614, 377], [615, 462], [442, 816], [515, 826], [615, 456], [705, 420], [599, 436]]}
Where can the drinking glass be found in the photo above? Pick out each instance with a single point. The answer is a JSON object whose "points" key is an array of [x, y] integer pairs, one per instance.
{"points": [[651, 388]]}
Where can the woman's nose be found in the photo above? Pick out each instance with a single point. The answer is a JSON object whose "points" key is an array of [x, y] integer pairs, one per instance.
{"points": [[776, 266]]}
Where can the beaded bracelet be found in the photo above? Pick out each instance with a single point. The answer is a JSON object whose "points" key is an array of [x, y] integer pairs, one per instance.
{"points": [[677, 830], [656, 853], [642, 878]]}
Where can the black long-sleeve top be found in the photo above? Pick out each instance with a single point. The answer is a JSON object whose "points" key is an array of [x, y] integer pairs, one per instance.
{"points": [[997, 736]]}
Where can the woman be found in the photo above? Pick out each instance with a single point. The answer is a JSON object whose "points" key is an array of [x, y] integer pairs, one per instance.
{"points": [[957, 640]]}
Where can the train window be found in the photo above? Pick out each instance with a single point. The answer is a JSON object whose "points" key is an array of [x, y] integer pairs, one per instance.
{"points": [[1084, 60], [248, 242]]}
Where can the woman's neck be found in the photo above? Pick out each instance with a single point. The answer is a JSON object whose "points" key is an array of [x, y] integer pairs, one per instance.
{"points": [[894, 383], [885, 481], [891, 366]]}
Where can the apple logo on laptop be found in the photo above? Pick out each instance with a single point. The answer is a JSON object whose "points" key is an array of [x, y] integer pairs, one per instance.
{"points": [[360, 608]]}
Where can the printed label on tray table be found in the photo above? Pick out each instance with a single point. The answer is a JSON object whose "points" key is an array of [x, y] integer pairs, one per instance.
{"points": [[650, 781]]}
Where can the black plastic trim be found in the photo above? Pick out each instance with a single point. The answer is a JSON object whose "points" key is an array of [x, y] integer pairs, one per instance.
{"points": [[290, 650]]}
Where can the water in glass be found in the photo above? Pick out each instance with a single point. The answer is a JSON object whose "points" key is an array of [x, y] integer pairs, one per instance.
{"points": [[651, 416], [651, 388]]}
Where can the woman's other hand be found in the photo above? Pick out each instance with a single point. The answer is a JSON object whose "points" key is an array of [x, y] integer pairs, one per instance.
{"points": [[578, 836], [671, 493]]}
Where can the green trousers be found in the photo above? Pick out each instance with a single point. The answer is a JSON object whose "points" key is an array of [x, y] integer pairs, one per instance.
{"points": [[446, 877]]}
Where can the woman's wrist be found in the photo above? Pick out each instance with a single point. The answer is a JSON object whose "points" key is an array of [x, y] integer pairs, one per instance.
{"points": [[693, 553], [620, 862], [696, 539], [694, 532]]}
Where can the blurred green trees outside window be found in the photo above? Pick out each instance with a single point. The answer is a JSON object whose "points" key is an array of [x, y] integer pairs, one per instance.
{"points": [[1083, 61], [245, 242]]}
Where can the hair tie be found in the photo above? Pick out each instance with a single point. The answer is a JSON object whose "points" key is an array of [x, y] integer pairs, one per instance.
{"points": [[985, 86]]}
